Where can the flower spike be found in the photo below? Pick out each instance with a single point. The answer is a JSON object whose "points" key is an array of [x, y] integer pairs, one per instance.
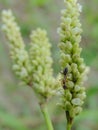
{"points": [[73, 92]]}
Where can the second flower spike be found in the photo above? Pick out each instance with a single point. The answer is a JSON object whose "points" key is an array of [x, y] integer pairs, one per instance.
{"points": [[41, 60]]}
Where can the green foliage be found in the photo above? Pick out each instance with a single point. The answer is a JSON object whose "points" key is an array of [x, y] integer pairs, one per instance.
{"points": [[39, 2], [9, 121], [92, 91]]}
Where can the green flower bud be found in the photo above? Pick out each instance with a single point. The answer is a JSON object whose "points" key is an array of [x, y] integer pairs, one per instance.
{"points": [[75, 111], [77, 101], [82, 95], [78, 110], [69, 84], [77, 88], [68, 106], [72, 112], [68, 95]]}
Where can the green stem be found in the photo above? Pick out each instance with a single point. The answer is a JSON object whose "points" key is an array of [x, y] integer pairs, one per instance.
{"points": [[69, 126], [46, 117], [69, 121]]}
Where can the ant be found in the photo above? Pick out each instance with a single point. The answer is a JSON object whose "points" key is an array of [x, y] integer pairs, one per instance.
{"points": [[65, 72]]}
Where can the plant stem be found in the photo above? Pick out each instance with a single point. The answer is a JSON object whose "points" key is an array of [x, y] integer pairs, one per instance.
{"points": [[68, 126], [46, 117], [69, 121]]}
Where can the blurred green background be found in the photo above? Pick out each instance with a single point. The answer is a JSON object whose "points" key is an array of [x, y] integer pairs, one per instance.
{"points": [[19, 109]]}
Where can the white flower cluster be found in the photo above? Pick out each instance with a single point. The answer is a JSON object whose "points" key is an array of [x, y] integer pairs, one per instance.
{"points": [[35, 67], [72, 81], [41, 61], [18, 53]]}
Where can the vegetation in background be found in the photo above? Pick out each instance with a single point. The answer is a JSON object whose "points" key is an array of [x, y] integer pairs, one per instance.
{"points": [[14, 98]]}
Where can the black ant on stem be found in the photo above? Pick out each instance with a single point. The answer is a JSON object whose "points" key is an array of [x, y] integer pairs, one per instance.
{"points": [[65, 72]]}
